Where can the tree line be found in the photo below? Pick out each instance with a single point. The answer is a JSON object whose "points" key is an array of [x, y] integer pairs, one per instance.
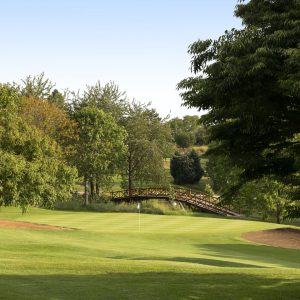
{"points": [[246, 82], [51, 139]]}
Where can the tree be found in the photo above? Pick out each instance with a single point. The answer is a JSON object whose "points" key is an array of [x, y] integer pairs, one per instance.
{"points": [[32, 169], [100, 148], [184, 139], [187, 131], [186, 168], [222, 173], [201, 136], [248, 81], [108, 98], [149, 141], [58, 99], [52, 121], [37, 87], [198, 172]]}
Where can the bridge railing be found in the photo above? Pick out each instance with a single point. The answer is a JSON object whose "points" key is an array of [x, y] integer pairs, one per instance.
{"points": [[185, 195], [139, 192], [156, 192]]}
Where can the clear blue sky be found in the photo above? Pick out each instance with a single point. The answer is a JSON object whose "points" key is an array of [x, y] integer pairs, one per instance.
{"points": [[139, 44]]}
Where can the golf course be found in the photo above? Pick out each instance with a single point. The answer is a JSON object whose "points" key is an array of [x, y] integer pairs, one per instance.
{"points": [[107, 256]]}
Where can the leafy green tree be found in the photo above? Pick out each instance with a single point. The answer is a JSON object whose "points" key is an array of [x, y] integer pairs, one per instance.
{"points": [[187, 131], [269, 198], [100, 148], [58, 99], [52, 121], [108, 98], [248, 81], [223, 174], [201, 136], [180, 168], [32, 169], [184, 139], [186, 168], [37, 86], [149, 141], [198, 172], [40, 87]]}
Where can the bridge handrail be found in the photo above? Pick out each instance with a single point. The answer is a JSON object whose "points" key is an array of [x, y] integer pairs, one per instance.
{"points": [[186, 195], [149, 191]]}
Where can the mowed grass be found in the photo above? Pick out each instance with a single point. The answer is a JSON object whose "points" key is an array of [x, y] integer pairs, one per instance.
{"points": [[170, 257]]}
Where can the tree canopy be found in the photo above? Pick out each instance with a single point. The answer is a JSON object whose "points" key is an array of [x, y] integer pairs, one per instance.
{"points": [[149, 141], [187, 131], [101, 147], [32, 168], [248, 81], [186, 168]]}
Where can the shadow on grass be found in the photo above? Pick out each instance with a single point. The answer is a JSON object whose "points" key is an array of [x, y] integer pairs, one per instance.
{"points": [[288, 258], [147, 285], [221, 255], [194, 260]]}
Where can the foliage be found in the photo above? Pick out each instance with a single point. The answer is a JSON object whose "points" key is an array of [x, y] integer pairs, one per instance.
{"points": [[266, 196], [208, 190], [187, 131], [101, 148], [156, 207], [40, 87], [201, 136], [40, 182], [186, 168], [32, 169], [248, 80], [108, 98], [58, 99], [184, 139], [223, 174], [37, 86], [149, 142], [51, 121]]}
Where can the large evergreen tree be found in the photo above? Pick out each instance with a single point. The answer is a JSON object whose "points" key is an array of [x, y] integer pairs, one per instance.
{"points": [[248, 80]]}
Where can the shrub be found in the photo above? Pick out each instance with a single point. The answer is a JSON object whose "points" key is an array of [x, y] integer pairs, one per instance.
{"points": [[184, 139], [186, 168]]}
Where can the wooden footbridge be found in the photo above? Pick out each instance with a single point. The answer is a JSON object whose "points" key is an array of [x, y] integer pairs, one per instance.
{"points": [[199, 200]]}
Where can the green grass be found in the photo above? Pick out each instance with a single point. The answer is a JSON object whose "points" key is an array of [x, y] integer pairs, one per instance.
{"points": [[172, 257]]}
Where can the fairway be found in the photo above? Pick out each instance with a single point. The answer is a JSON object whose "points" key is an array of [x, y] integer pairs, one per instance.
{"points": [[171, 257]]}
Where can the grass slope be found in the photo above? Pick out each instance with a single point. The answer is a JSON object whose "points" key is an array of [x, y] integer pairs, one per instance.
{"points": [[172, 257]]}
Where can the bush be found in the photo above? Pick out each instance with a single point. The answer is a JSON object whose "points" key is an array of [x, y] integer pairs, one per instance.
{"points": [[186, 168], [184, 139]]}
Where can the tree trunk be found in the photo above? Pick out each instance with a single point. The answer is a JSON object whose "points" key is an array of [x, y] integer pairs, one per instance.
{"points": [[86, 192], [97, 188], [92, 186]]}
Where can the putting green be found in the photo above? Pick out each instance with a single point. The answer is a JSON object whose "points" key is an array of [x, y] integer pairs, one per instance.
{"points": [[170, 257]]}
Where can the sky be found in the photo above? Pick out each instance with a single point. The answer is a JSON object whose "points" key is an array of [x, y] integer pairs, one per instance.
{"points": [[141, 45]]}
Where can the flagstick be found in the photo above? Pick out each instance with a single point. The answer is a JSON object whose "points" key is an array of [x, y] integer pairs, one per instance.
{"points": [[139, 208], [139, 218]]}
